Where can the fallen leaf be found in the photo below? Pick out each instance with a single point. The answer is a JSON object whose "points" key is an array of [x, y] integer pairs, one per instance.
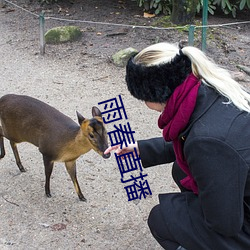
{"points": [[147, 15], [58, 227]]}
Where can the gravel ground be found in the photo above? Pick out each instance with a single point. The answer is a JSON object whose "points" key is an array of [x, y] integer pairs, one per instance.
{"points": [[77, 76]]}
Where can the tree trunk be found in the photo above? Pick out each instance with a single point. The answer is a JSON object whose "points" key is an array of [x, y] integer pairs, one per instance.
{"points": [[183, 11]]}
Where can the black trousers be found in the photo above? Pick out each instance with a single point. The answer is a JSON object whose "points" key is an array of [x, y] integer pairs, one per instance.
{"points": [[156, 222]]}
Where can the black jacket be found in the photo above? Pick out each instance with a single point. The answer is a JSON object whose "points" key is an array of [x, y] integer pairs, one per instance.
{"points": [[216, 145]]}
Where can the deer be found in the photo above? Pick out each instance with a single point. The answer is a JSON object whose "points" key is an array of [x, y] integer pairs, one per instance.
{"points": [[58, 138]]}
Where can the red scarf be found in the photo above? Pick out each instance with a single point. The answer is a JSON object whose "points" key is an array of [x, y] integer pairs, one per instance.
{"points": [[174, 119]]}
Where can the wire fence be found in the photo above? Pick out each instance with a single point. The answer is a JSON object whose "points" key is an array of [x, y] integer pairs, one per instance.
{"points": [[191, 28]]}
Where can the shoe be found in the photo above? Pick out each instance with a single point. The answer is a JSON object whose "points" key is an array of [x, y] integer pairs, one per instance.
{"points": [[181, 248]]}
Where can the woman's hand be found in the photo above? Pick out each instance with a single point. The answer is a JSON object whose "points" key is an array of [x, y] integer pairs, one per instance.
{"points": [[124, 149]]}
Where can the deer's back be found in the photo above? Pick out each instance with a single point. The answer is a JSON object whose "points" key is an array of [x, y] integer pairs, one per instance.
{"points": [[24, 118]]}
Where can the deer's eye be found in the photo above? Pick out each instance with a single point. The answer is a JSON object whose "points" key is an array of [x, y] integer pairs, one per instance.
{"points": [[91, 136]]}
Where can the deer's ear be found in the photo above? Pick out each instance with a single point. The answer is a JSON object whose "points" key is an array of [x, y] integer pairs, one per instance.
{"points": [[80, 118], [96, 112]]}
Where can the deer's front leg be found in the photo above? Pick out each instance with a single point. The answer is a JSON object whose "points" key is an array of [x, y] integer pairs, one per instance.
{"points": [[71, 168]]}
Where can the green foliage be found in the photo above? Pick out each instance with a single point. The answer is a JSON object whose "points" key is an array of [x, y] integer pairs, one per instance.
{"points": [[211, 7], [226, 6], [165, 6], [244, 4], [157, 6]]}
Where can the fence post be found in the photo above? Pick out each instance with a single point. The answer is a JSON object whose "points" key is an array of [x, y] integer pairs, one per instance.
{"points": [[204, 24], [191, 35], [42, 31]]}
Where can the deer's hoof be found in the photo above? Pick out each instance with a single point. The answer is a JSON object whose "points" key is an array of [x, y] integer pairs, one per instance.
{"points": [[82, 198], [48, 195]]}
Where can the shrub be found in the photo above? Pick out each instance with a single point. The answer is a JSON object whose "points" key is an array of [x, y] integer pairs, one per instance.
{"points": [[165, 6], [157, 6]]}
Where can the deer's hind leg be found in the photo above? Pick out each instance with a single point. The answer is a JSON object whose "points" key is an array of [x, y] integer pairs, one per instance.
{"points": [[1, 144], [48, 164], [71, 168], [16, 154]]}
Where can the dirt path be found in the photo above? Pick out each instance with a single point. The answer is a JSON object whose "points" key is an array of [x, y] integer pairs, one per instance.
{"points": [[76, 77], [69, 81]]}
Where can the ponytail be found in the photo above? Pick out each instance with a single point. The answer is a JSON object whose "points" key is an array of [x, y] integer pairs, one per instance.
{"points": [[218, 78]]}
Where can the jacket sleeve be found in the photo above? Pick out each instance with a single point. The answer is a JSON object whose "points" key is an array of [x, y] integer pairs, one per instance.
{"points": [[220, 173], [155, 151]]}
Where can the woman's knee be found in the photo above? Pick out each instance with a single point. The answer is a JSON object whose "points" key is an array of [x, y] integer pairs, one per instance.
{"points": [[154, 217], [159, 229]]}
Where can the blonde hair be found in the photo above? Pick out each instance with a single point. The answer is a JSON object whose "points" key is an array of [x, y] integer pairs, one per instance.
{"points": [[202, 67]]}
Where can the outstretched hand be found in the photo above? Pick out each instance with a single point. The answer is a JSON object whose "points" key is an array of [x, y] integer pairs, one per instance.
{"points": [[125, 149]]}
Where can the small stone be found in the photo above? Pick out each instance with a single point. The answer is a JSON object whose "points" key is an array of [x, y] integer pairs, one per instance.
{"points": [[121, 58], [239, 76], [63, 34], [44, 225]]}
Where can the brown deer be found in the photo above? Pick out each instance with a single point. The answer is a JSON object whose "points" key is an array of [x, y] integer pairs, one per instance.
{"points": [[59, 138]]}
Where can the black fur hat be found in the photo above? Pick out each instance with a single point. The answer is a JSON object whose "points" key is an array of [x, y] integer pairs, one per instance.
{"points": [[156, 83]]}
